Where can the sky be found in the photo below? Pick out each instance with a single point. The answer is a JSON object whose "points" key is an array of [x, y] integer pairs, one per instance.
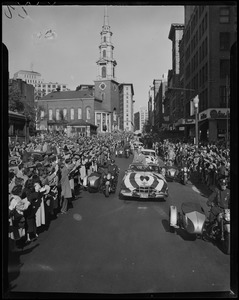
{"points": [[61, 42]]}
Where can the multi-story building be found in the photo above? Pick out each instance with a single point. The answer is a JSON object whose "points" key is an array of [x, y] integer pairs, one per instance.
{"points": [[173, 94], [161, 98], [209, 33], [71, 110], [26, 91], [151, 108], [29, 77], [136, 121], [42, 88], [143, 113], [126, 111]]}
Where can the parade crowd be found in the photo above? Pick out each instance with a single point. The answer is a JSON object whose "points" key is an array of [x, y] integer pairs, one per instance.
{"points": [[46, 174], [209, 162]]}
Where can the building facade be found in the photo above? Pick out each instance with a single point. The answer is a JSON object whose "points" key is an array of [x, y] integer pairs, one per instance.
{"points": [[67, 111], [209, 34], [137, 121], [26, 90], [41, 88], [174, 94], [126, 110], [143, 114]]}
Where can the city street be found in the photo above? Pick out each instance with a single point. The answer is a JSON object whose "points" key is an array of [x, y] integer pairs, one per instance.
{"points": [[113, 246]]}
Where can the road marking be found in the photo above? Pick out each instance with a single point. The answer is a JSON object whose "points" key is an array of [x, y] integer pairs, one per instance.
{"points": [[142, 207], [45, 267]]}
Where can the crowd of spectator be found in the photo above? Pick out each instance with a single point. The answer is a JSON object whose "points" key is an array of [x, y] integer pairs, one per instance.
{"points": [[45, 176], [208, 162]]}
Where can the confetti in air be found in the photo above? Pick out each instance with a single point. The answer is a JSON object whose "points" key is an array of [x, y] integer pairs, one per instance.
{"points": [[50, 35]]}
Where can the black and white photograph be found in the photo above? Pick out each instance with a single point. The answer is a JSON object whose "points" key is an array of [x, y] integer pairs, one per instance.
{"points": [[119, 125]]}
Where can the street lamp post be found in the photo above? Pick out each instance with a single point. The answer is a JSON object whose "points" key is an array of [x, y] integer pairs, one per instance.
{"points": [[195, 102]]}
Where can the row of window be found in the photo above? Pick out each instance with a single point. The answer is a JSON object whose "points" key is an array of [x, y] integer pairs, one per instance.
{"points": [[62, 114], [224, 18], [203, 51]]}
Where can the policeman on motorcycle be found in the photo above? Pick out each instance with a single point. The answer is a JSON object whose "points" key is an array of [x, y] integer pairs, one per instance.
{"points": [[219, 200], [113, 169]]}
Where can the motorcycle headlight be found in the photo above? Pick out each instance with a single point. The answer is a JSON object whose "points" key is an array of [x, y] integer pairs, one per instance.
{"points": [[227, 214], [108, 176], [185, 169]]}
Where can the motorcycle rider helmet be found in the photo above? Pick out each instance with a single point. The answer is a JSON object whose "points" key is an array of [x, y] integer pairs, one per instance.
{"points": [[112, 161]]}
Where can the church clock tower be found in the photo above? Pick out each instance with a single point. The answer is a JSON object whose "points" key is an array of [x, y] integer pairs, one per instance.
{"points": [[106, 63], [106, 87]]}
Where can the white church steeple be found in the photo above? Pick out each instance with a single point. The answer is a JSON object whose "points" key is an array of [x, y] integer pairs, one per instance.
{"points": [[106, 63]]}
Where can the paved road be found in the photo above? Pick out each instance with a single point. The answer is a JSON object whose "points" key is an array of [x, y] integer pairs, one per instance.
{"points": [[112, 246]]}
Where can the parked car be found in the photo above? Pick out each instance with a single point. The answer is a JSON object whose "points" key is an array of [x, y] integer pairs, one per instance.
{"points": [[143, 181]]}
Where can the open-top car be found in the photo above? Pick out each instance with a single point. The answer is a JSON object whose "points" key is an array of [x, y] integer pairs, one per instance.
{"points": [[143, 181]]}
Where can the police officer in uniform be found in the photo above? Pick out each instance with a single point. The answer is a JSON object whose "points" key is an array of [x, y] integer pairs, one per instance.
{"points": [[219, 199]]}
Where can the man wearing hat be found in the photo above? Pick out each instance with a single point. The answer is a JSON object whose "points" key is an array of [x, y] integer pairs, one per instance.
{"points": [[219, 199]]}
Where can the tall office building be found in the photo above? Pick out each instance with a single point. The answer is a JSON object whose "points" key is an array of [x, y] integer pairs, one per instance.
{"points": [[210, 31]]}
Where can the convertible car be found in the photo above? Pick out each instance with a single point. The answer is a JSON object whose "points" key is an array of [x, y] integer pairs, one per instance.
{"points": [[143, 181]]}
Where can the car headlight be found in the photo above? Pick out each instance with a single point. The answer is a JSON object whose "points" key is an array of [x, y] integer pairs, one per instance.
{"points": [[125, 191]]}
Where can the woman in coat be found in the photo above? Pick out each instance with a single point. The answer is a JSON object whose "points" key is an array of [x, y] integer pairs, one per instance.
{"points": [[65, 186]]}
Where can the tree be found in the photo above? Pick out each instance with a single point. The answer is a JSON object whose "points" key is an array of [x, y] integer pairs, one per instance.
{"points": [[15, 102]]}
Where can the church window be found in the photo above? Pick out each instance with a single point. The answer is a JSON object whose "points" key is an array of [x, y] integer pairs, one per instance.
{"points": [[103, 96], [104, 72], [104, 39], [87, 113], [65, 113], [57, 114], [79, 113], [72, 113], [104, 53], [50, 114]]}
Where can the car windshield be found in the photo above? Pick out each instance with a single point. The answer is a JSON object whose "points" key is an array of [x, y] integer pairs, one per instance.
{"points": [[144, 168], [148, 153]]}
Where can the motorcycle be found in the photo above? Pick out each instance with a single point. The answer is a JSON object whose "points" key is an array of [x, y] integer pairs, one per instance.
{"points": [[109, 184], [192, 219], [120, 153], [170, 173], [184, 175], [127, 153], [91, 183], [219, 230]]}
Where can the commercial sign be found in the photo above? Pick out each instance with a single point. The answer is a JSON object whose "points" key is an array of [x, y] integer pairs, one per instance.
{"points": [[214, 113]]}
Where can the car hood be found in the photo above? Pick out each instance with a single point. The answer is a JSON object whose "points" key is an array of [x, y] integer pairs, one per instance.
{"points": [[133, 180]]}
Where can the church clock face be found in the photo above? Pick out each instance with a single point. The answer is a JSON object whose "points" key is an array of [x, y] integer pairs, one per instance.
{"points": [[102, 86]]}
